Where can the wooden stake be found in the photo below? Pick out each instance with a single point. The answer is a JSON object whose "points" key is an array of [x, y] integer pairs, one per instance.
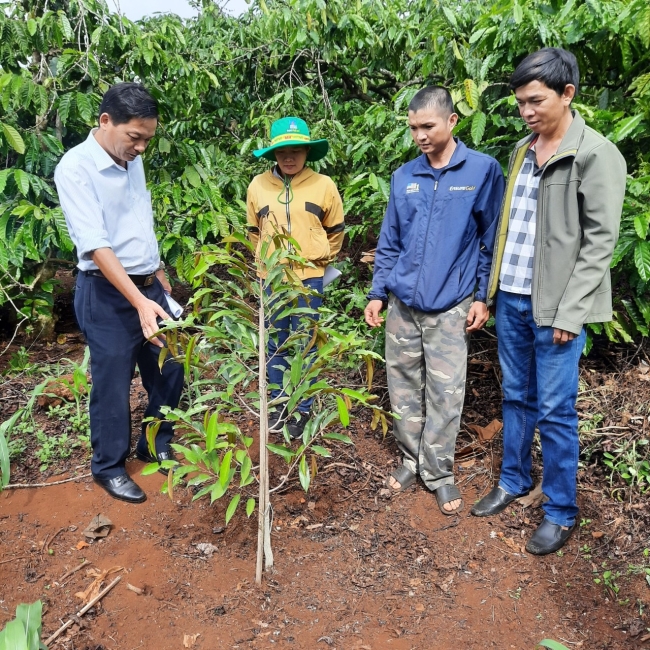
{"points": [[263, 502], [83, 610]]}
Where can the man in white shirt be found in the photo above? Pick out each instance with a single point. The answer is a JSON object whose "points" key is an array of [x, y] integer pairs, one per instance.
{"points": [[120, 293]]}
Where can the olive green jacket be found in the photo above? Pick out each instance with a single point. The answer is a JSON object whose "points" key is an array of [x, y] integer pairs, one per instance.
{"points": [[579, 207]]}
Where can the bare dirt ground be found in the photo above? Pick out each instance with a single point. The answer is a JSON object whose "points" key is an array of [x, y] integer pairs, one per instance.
{"points": [[353, 570]]}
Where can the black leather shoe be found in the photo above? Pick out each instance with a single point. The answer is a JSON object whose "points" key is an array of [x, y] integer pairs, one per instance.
{"points": [[122, 487], [496, 501], [146, 457], [548, 538]]}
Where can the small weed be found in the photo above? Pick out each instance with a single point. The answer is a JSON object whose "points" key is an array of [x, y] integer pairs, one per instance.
{"points": [[584, 523], [631, 461], [19, 363], [515, 594], [591, 424]]}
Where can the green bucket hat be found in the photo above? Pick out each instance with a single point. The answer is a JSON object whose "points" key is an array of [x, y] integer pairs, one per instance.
{"points": [[293, 132]]}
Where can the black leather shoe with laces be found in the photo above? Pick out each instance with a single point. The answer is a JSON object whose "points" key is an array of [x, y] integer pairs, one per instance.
{"points": [[123, 488], [496, 501]]}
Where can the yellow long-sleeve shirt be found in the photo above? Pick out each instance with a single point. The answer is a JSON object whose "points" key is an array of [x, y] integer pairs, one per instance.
{"points": [[313, 216]]}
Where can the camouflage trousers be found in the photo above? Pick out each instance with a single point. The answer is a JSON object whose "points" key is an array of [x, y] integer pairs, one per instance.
{"points": [[426, 364]]}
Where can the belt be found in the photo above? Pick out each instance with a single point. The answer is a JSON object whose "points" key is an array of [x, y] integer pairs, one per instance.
{"points": [[138, 280]]}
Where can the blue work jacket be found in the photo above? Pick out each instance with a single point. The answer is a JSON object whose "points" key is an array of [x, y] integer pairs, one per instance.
{"points": [[436, 240]]}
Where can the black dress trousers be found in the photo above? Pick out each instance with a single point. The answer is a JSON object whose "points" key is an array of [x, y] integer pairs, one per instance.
{"points": [[114, 335]]}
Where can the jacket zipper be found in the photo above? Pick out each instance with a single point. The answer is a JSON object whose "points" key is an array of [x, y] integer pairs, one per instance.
{"points": [[426, 235], [539, 249], [288, 212]]}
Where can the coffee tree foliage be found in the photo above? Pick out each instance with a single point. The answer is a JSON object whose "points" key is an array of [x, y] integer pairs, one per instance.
{"points": [[348, 67]]}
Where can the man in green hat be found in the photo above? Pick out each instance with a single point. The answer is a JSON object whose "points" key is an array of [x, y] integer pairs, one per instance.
{"points": [[293, 200]]}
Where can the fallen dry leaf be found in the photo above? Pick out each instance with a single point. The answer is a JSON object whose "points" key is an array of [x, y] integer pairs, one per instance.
{"points": [[95, 586], [597, 534], [82, 544], [534, 498], [190, 639], [313, 526], [419, 607], [468, 463], [510, 543], [100, 526], [485, 434]]}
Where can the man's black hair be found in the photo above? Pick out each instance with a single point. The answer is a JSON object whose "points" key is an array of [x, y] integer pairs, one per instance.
{"points": [[126, 101], [435, 97], [553, 66]]}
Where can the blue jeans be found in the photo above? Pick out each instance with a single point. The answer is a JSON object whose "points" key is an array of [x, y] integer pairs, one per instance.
{"points": [[277, 364], [540, 388]]}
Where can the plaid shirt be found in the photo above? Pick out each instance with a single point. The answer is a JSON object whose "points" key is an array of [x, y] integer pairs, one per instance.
{"points": [[517, 266]]}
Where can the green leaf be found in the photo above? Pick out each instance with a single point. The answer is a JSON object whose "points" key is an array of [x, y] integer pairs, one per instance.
{"points": [[4, 176], [321, 451], [304, 473], [224, 469], [286, 453], [14, 138], [451, 17], [626, 127], [5, 430], [211, 432], [232, 506], [479, 120], [150, 469], [338, 436], [164, 145], [32, 26], [517, 13], [30, 615], [344, 416], [642, 259], [250, 506], [641, 225], [245, 470], [14, 636], [552, 645]]}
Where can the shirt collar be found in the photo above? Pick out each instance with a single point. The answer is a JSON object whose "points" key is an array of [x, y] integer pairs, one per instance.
{"points": [[101, 158]]}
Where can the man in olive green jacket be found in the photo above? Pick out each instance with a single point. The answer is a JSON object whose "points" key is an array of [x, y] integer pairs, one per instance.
{"points": [[550, 275]]}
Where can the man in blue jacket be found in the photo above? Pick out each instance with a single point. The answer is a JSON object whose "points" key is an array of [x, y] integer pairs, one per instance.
{"points": [[431, 268]]}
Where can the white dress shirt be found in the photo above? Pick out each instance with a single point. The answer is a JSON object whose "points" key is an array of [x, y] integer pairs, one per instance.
{"points": [[107, 206]]}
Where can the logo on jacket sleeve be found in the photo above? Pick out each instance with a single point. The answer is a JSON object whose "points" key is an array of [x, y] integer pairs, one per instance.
{"points": [[462, 188], [411, 188]]}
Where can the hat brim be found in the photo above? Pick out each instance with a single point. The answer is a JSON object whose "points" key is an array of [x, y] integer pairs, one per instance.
{"points": [[317, 149]]}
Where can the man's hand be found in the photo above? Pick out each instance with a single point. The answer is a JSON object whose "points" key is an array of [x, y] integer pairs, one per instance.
{"points": [[478, 315], [371, 313], [560, 337], [162, 276], [149, 311]]}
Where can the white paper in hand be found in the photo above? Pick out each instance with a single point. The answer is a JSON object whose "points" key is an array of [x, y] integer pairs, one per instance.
{"points": [[331, 273], [174, 308]]}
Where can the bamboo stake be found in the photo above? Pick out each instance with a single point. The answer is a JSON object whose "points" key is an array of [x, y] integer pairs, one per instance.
{"points": [[83, 610]]}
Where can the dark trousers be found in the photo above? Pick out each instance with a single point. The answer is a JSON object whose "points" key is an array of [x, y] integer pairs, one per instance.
{"points": [[112, 330]]}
